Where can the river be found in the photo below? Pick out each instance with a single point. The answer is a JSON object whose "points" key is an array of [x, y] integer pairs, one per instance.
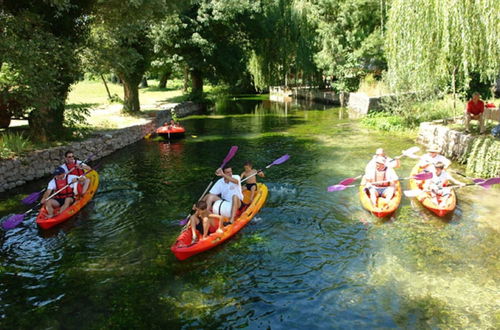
{"points": [[309, 259]]}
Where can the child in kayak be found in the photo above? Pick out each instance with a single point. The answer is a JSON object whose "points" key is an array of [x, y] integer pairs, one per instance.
{"points": [[437, 185], [202, 220], [251, 183]]}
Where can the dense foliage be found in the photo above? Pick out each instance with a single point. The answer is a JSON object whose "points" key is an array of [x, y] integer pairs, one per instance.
{"points": [[45, 46]]}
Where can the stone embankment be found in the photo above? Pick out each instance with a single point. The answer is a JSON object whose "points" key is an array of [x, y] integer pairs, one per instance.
{"points": [[39, 163], [480, 153]]}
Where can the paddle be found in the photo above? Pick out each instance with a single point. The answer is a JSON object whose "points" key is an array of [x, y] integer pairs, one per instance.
{"points": [[419, 176], [16, 219], [33, 197], [410, 152], [475, 180], [486, 184], [229, 156], [278, 161]]}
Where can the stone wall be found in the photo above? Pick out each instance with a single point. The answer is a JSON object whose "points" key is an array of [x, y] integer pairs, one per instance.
{"points": [[481, 154], [306, 93], [364, 104], [39, 163]]}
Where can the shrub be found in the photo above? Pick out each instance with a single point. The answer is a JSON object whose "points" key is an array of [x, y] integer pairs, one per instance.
{"points": [[13, 144]]}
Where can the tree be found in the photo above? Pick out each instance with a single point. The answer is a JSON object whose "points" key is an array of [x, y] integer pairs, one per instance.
{"points": [[432, 43], [39, 46], [350, 36], [210, 37], [121, 41]]}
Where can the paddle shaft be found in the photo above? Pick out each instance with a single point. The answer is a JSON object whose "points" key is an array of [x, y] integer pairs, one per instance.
{"points": [[69, 184]]}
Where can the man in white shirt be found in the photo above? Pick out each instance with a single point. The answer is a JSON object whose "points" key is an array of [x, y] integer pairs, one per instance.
{"points": [[432, 157], [381, 181], [66, 188], [228, 189]]}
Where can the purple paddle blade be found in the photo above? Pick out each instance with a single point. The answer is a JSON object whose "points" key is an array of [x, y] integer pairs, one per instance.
{"points": [[337, 187], [478, 180], [13, 221], [31, 198], [184, 221], [423, 176], [488, 183], [281, 160], [230, 155]]}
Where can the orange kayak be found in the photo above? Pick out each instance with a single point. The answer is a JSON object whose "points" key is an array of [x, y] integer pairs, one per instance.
{"points": [[183, 249], [45, 223], [171, 132], [383, 207], [426, 199]]}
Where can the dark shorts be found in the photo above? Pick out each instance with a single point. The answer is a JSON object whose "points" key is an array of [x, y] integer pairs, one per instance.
{"points": [[60, 201], [250, 185], [199, 227]]}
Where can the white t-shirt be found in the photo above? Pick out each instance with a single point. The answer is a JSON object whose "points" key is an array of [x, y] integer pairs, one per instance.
{"points": [[439, 180], [390, 175], [65, 167], [52, 183], [428, 160], [227, 190]]}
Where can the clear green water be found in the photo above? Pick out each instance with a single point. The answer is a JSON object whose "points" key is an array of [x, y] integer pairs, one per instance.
{"points": [[309, 259]]}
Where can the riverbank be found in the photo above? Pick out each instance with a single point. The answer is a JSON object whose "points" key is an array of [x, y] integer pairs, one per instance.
{"points": [[39, 163]]}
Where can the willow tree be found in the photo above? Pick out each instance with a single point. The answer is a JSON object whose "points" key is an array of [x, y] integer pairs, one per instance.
{"points": [[432, 44]]}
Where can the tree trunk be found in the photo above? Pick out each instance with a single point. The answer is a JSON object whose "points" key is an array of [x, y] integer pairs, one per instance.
{"points": [[131, 102], [186, 79], [144, 83], [197, 82], [106, 85], [163, 80]]}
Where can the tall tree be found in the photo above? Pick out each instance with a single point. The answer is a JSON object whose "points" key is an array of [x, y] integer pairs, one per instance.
{"points": [[210, 37], [431, 43], [121, 42], [39, 62]]}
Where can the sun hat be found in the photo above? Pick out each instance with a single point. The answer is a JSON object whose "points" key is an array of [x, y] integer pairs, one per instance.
{"points": [[379, 151], [434, 148], [380, 160]]}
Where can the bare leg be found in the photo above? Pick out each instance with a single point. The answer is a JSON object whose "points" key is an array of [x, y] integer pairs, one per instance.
{"points": [[236, 204], [86, 184], [193, 221], [50, 205], [206, 224], [253, 190], [210, 199], [373, 196], [67, 203]]}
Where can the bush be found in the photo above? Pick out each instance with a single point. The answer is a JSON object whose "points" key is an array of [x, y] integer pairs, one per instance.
{"points": [[13, 144]]}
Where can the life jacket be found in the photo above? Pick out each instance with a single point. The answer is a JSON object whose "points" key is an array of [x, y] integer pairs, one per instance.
{"points": [[76, 171], [383, 184], [66, 192]]}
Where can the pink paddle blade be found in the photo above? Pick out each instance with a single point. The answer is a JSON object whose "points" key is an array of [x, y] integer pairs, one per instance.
{"points": [[13, 221], [478, 180], [348, 181], [423, 176], [337, 187]]}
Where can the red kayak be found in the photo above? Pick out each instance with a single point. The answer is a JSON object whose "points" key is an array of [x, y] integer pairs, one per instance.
{"points": [[171, 132], [183, 248]]}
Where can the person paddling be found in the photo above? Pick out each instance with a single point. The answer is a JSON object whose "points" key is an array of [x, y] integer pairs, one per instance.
{"points": [[251, 182], [72, 166], [432, 157], [381, 182], [65, 197], [227, 190], [390, 162], [437, 185]]}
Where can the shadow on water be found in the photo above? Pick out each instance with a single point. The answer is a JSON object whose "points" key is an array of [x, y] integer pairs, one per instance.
{"points": [[306, 260]]}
